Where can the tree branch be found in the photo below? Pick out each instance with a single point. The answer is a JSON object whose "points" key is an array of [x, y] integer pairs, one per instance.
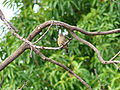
{"points": [[94, 48], [63, 66], [74, 28], [43, 34], [13, 56], [115, 56]]}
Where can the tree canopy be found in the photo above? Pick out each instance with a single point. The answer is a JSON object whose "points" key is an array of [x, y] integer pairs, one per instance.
{"points": [[32, 73]]}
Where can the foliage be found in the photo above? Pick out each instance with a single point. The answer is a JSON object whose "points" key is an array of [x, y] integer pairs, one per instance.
{"points": [[34, 74]]}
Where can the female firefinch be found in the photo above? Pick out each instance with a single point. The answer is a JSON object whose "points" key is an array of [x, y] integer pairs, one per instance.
{"points": [[61, 41]]}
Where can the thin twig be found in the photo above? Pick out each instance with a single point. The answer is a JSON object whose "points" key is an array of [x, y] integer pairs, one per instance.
{"points": [[8, 24], [115, 56], [2, 81], [117, 66], [23, 86], [53, 48], [43, 34], [1, 15], [31, 51]]}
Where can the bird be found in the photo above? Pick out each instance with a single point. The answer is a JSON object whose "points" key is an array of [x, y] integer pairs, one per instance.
{"points": [[61, 41]]}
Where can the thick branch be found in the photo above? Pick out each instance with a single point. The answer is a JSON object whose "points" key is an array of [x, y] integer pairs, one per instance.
{"points": [[12, 57], [74, 28], [63, 66], [94, 48]]}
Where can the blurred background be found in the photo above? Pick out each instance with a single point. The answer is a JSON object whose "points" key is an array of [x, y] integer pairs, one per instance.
{"points": [[27, 73]]}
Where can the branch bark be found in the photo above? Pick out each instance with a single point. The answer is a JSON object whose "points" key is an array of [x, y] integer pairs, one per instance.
{"points": [[94, 48], [63, 66], [13, 56], [74, 28]]}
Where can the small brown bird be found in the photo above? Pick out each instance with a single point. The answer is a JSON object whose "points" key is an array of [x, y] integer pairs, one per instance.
{"points": [[62, 40]]}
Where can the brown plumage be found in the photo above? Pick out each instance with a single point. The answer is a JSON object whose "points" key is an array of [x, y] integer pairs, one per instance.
{"points": [[62, 40]]}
